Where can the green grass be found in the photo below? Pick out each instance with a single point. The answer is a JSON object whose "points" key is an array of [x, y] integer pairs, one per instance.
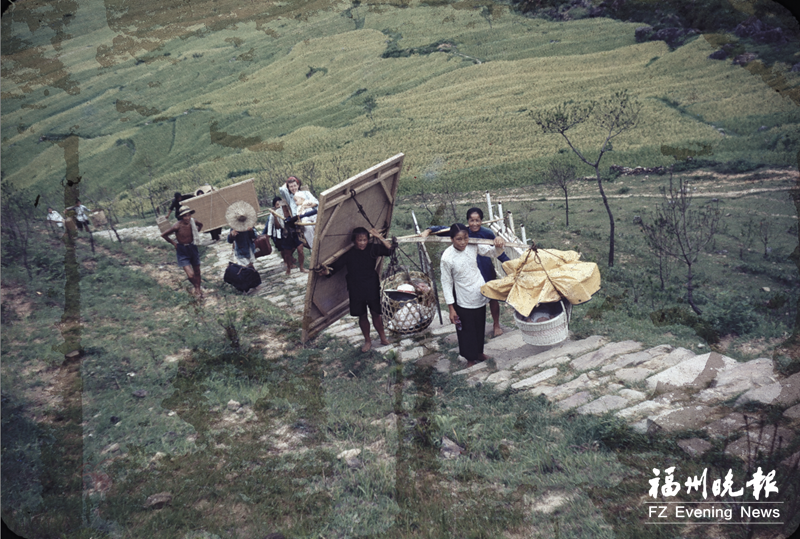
{"points": [[274, 466]]}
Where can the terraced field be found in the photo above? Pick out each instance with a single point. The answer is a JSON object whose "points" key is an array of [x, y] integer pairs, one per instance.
{"points": [[179, 97]]}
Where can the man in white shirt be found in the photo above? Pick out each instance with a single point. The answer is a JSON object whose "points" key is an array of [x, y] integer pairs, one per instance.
{"points": [[81, 215], [54, 218]]}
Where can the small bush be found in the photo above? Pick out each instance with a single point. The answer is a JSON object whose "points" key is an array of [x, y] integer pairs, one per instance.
{"points": [[732, 313]]}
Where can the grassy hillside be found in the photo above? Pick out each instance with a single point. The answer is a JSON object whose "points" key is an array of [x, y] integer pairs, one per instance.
{"points": [[182, 96]]}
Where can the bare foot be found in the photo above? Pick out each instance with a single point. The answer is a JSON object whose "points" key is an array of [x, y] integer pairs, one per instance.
{"points": [[484, 357], [497, 331], [303, 270], [367, 346], [385, 342]]}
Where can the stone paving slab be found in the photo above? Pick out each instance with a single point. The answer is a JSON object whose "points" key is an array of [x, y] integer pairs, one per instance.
{"points": [[786, 392], [695, 371], [738, 378], [646, 408], [569, 348], [477, 367], [765, 441], [603, 355], [636, 374], [637, 358], [726, 426], [604, 404], [499, 376], [687, 418], [535, 379], [580, 383], [695, 447], [670, 360], [578, 399], [412, 354]]}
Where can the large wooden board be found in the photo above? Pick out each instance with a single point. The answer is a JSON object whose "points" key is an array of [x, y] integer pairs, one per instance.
{"points": [[375, 190], [210, 208]]}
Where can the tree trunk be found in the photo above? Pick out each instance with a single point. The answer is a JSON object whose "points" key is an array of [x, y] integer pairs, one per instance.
{"points": [[689, 288], [566, 203], [610, 220]]}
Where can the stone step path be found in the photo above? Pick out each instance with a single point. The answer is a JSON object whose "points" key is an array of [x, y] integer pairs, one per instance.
{"points": [[652, 389]]}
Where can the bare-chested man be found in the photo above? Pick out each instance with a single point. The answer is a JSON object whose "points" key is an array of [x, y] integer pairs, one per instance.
{"points": [[188, 255]]}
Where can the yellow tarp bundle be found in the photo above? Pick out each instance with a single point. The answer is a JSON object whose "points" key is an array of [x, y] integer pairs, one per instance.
{"points": [[538, 277]]}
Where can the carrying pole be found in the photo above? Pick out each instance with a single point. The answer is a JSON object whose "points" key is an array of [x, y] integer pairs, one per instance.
{"points": [[427, 267]]}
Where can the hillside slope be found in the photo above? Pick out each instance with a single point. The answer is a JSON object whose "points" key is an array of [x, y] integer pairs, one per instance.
{"points": [[204, 96]]}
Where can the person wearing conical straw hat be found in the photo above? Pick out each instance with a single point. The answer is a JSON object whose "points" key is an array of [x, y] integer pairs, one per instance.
{"points": [[186, 232], [241, 217]]}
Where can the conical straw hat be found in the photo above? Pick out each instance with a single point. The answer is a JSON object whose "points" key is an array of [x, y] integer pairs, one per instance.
{"points": [[240, 216]]}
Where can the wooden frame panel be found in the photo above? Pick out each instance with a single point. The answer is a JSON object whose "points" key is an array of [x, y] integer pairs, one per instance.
{"points": [[375, 190], [210, 208]]}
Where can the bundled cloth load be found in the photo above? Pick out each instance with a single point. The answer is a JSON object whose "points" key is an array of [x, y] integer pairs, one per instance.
{"points": [[543, 286], [544, 276]]}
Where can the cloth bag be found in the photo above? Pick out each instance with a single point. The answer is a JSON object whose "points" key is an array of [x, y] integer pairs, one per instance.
{"points": [[242, 278]]}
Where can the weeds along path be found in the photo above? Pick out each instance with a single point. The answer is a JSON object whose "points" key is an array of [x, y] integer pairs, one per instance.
{"points": [[285, 292]]}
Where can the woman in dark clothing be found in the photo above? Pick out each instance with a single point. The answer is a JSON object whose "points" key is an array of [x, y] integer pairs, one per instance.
{"points": [[285, 238], [363, 282], [485, 265], [245, 246]]}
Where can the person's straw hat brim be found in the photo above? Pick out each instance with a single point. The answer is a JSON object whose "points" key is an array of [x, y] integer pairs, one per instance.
{"points": [[184, 210], [241, 216]]}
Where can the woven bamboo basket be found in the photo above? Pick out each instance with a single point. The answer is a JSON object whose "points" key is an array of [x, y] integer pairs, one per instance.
{"points": [[406, 314], [546, 333]]}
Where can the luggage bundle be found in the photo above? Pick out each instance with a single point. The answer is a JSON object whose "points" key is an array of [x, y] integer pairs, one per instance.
{"points": [[242, 278]]}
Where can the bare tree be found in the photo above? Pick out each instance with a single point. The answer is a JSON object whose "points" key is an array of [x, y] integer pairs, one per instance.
{"points": [[613, 116], [682, 230], [747, 233], [17, 225], [661, 243], [764, 234], [561, 175]]}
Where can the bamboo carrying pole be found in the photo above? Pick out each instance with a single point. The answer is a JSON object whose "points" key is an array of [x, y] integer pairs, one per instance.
{"points": [[441, 239]]}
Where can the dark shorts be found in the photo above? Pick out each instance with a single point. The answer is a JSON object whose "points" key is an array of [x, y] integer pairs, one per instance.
{"points": [[286, 244], [188, 255], [359, 307], [82, 224]]}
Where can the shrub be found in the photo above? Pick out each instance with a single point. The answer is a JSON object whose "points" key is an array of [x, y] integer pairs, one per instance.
{"points": [[732, 313]]}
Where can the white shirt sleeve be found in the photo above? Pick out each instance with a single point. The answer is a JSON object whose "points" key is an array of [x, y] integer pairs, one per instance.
{"points": [[487, 250], [446, 269]]}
